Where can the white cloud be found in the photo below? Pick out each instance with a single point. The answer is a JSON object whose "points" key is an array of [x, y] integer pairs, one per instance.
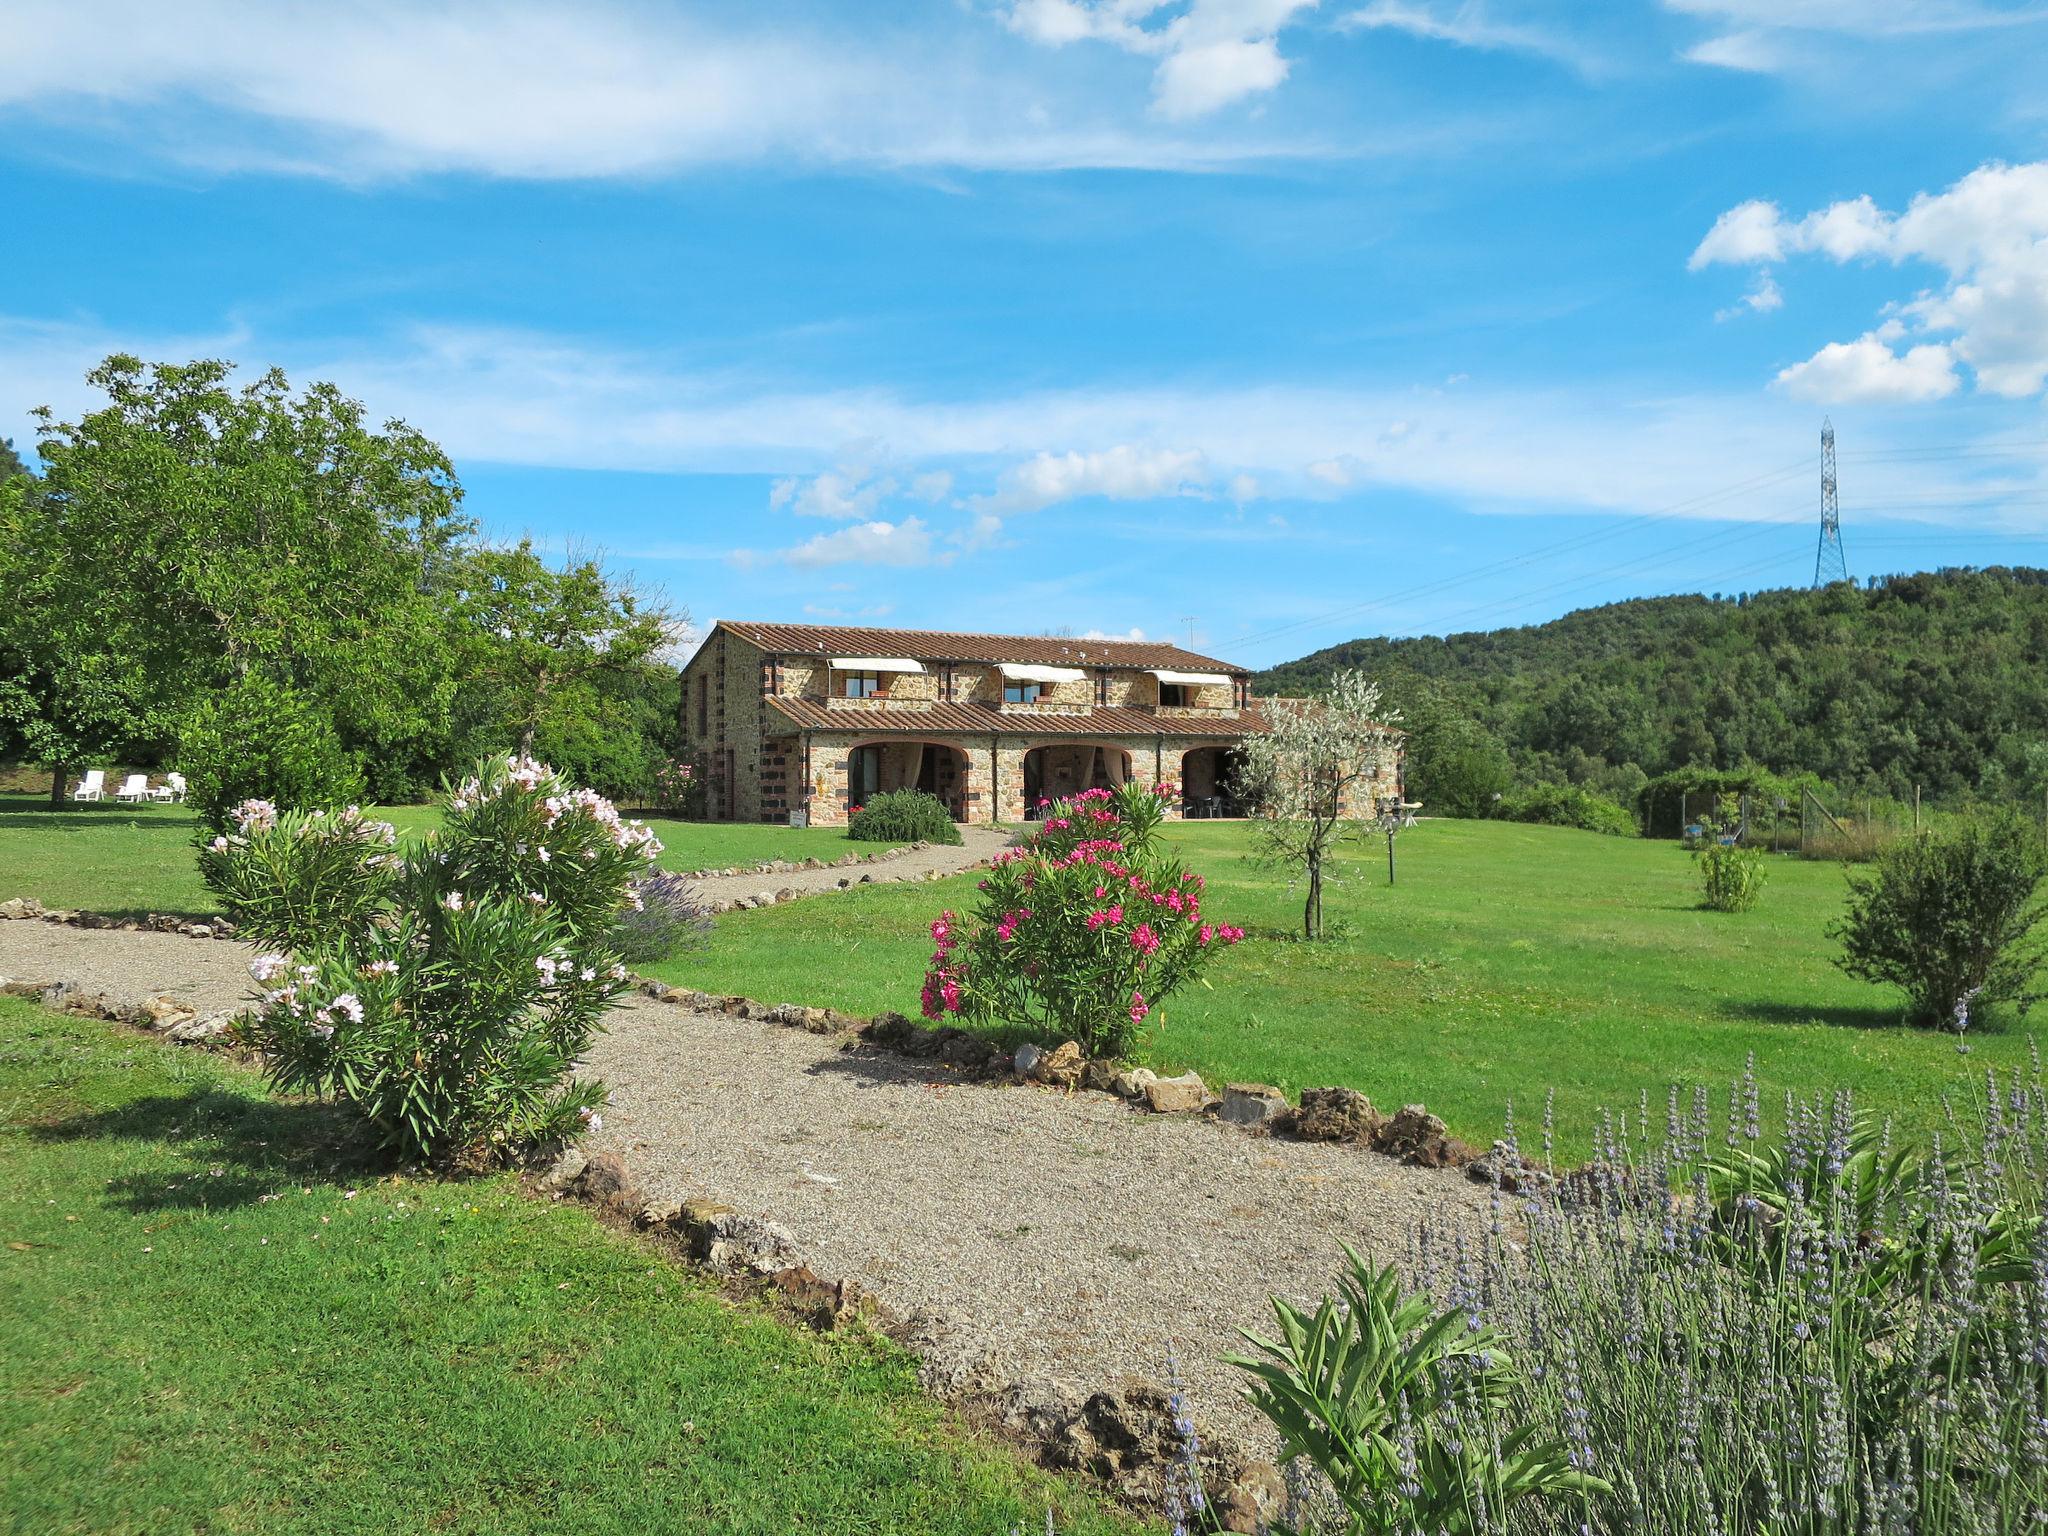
{"points": [[1763, 297], [1989, 235], [1758, 53], [1133, 633], [1244, 488], [1751, 231], [908, 543], [1466, 24], [1121, 473], [935, 486], [834, 493], [1211, 54], [1867, 371], [524, 89], [510, 398]]}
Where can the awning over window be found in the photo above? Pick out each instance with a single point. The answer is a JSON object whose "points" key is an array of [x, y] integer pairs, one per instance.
{"points": [[1017, 673], [1192, 679], [874, 664]]}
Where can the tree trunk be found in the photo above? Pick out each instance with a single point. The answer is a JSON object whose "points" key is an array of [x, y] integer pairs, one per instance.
{"points": [[57, 777], [1312, 913]]}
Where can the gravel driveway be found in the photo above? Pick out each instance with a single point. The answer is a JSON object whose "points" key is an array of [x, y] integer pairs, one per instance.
{"points": [[977, 845], [1041, 1235]]}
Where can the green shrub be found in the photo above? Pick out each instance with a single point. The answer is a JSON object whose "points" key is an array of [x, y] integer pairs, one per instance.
{"points": [[294, 878], [254, 740], [1083, 932], [1732, 875], [903, 816], [1949, 917], [1566, 805], [451, 1010]]}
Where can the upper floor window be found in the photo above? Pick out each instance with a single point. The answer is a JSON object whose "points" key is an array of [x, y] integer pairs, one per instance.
{"points": [[1021, 693], [1176, 695], [863, 685]]}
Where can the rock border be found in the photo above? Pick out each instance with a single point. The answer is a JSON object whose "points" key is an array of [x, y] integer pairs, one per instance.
{"points": [[798, 866], [28, 909], [1338, 1115], [1122, 1435], [181, 1022]]}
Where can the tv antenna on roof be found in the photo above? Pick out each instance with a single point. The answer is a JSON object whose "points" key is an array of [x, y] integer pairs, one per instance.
{"points": [[1189, 620]]}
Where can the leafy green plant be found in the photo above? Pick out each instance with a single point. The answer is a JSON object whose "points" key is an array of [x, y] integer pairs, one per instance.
{"points": [[1403, 1406], [1949, 917], [258, 741], [291, 879], [1083, 932], [903, 816], [1566, 805], [451, 1010], [1732, 874]]}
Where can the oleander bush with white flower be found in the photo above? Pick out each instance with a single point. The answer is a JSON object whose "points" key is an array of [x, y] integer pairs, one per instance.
{"points": [[444, 990]]}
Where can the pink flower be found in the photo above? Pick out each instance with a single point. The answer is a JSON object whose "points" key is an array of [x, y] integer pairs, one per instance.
{"points": [[1208, 933], [1097, 918], [1139, 1008], [1143, 939]]}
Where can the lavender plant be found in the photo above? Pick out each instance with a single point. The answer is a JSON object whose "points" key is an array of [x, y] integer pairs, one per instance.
{"points": [[663, 915], [1815, 1332], [449, 1003]]}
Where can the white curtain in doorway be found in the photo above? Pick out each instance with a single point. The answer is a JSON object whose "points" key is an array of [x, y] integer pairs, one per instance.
{"points": [[1113, 765], [915, 768]]}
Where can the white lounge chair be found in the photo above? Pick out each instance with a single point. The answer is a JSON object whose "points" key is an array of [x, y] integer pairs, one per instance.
{"points": [[135, 787], [171, 791], [93, 786]]}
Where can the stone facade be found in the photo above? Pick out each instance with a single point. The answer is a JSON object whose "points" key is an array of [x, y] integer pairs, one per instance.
{"points": [[781, 734]]}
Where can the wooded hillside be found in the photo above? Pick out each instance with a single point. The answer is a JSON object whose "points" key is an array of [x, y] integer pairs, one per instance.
{"points": [[1936, 679]]}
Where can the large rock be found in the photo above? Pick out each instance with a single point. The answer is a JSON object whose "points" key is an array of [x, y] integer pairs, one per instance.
{"points": [[1515, 1175], [1416, 1136], [1252, 1104], [1336, 1114], [730, 1243], [19, 908], [604, 1181], [1025, 1062], [1177, 1095], [198, 1031], [1132, 1084], [1060, 1067]]}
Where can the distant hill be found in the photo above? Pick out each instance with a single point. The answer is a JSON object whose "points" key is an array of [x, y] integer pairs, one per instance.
{"points": [[1938, 679]]}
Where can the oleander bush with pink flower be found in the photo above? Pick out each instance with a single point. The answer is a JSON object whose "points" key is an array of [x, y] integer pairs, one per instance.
{"points": [[1082, 933], [445, 990]]}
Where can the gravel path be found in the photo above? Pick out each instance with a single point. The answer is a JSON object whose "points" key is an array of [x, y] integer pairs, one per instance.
{"points": [[977, 845], [1045, 1235]]}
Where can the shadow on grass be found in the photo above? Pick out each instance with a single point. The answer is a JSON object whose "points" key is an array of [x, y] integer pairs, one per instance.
{"points": [[94, 817], [1838, 1016], [235, 1148]]}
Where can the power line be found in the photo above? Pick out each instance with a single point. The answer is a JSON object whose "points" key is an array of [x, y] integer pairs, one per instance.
{"points": [[1557, 547]]}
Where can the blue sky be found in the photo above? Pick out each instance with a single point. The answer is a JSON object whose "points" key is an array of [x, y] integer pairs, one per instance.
{"points": [[1269, 321]]}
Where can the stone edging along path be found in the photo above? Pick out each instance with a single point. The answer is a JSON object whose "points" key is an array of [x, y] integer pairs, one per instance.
{"points": [[1044, 1252]]}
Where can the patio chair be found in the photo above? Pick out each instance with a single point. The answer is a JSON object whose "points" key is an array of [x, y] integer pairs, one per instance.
{"points": [[93, 786], [171, 791], [135, 787]]}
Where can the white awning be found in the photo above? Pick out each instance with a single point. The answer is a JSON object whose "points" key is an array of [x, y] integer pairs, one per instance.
{"points": [[874, 664], [1017, 673], [1192, 679]]}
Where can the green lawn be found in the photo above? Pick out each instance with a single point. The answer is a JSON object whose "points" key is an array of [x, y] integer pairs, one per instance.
{"points": [[215, 1323], [1510, 961], [128, 858]]}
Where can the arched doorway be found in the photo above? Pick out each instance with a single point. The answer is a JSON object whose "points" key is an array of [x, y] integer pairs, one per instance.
{"points": [[1067, 768], [1208, 783], [935, 767]]}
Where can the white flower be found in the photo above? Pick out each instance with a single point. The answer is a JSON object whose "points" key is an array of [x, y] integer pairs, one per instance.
{"points": [[545, 856], [323, 1031], [592, 1120], [452, 901], [349, 1004], [219, 845], [588, 973], [381, 968], [267, 968]]}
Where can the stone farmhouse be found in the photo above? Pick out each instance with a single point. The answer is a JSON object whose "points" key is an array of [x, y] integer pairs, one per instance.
{"points": [[803, 721]]}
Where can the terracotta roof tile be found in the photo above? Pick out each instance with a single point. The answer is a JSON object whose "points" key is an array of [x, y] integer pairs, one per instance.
{"points": [[987, 720], [939, 645]]}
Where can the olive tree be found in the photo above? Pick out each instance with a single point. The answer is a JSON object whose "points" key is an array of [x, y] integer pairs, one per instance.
{"points": [[1314, 775]]}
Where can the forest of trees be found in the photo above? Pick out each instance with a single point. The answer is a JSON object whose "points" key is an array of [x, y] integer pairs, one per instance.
{"points": [[1935, 680]]}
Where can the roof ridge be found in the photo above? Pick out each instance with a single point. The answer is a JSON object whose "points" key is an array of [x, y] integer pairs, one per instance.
{"points": [[1107, 647]]}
